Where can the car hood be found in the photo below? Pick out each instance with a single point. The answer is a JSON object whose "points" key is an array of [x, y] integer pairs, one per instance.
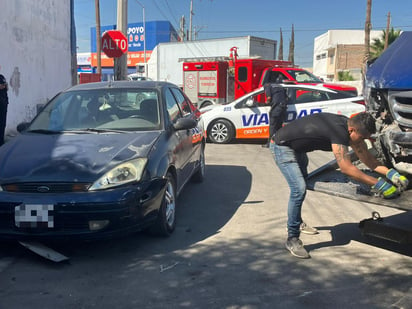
{"points": [[69, 157], [392, 70]]}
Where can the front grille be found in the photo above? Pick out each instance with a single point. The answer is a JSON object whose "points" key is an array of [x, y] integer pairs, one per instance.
{"points": [[400, 104], [46, 187]]}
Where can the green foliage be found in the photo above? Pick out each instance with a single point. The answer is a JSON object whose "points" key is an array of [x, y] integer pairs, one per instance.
{"points": [[378, 44], [345, 76]]}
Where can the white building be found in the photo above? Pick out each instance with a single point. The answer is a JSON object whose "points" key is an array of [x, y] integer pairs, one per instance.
{"points": [[340, 50]]}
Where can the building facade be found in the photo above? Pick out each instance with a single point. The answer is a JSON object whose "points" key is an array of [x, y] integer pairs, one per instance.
{"points": [[340, 51]]}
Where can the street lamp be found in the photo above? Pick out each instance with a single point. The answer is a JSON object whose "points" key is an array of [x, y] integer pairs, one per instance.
{"points": [[144, 38]]}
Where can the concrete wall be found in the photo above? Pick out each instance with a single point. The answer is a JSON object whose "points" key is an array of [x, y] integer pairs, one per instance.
{"points": [[164, 64], [35, 54]]}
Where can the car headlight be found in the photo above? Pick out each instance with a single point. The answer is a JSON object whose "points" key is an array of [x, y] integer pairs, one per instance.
{"points": [[123, 173]]}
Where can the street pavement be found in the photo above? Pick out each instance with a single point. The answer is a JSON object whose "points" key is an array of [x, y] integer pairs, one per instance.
{"points": [[227, 252]]}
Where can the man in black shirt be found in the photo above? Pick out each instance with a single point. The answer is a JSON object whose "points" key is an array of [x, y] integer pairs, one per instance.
{"points": [[276, 97], [4, 102], [328, 132]]}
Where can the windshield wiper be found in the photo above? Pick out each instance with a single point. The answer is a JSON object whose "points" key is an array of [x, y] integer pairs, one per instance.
{"points": [[94, 130], [44, 131]]}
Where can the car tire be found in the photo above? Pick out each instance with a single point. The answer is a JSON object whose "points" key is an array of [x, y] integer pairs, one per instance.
{"points": [[166, 218], [205, 103], [221, 132], [199, 175]]}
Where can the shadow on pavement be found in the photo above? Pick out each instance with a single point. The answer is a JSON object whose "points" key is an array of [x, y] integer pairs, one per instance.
{"points": [[343, 234]]}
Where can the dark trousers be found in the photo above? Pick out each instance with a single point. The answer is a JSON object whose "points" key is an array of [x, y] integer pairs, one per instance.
{"points": [[3, 118], [277, 117]]}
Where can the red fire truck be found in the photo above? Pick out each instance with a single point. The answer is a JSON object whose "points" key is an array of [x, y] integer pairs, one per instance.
{"points": [[222, 79], [214, 80]]}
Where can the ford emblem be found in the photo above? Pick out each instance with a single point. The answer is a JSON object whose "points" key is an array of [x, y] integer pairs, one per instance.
{"points": [[43, 189]]}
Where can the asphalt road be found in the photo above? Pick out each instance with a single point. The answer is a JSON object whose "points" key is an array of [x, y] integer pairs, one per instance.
{"points": [[227, 252]]}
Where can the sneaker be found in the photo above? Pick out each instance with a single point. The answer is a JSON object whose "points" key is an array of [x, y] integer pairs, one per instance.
{"points": [[306, 229], [295, 247]]}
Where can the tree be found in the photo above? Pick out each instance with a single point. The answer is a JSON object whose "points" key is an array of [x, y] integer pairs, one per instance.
{"points": [[345, 76], [280, 55], [291, 57], [378, 44]]}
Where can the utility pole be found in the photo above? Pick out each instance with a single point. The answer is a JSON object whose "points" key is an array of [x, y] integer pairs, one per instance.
{"points": [[190, 21], [144, 38], [182, 28], [388, 22], [98, 38], [368, 27], [120, 64]]}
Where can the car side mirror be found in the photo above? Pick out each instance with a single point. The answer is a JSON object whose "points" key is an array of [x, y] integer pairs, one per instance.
{"points": [[185, 124], [22, 126], [250, 102]]}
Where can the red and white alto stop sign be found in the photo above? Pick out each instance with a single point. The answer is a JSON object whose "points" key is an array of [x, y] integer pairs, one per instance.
{"points": [[114, 43]]}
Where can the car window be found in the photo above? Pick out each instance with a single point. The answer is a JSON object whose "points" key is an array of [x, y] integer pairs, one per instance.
{"points": [[182, 101], [122, 109], [273, 76], [172, 107], [244, 103], [303, 76], [308, 95]]}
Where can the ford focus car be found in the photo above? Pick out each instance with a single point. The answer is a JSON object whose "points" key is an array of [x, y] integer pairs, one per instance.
{"points": [[101, 159], [247, 118]]}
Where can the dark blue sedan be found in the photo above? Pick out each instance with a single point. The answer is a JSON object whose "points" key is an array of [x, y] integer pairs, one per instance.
{"points": [[101, 159]]}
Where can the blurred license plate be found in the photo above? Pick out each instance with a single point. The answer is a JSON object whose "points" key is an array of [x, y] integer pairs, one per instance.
{"points": [[34, 215]]}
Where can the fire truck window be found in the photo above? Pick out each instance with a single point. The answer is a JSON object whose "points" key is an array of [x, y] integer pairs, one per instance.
{"points": [[181, 100], [274, 76], [242, 74], [172, 107]]}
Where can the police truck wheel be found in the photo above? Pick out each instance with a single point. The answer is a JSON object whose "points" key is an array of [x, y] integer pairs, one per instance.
{"points": [[221, 132]]}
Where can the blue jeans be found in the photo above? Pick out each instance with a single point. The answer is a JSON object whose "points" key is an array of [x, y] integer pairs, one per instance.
{"points": [[293, 166]]}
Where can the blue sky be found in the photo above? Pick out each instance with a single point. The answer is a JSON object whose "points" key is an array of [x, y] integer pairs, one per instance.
{"points": [[264, 18]]}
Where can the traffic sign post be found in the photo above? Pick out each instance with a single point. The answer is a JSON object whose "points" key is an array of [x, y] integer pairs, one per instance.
{"points": [[114, 43]]}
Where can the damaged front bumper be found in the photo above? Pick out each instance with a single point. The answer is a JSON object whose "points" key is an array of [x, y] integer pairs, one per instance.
{"points": [[399, 145]]}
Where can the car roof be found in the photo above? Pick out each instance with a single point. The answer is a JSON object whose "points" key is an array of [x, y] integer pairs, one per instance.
{"points": [[122, 84]]}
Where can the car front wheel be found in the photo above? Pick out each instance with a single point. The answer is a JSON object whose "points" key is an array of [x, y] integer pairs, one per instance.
{"points": [[221, 132], [199, 175], [166, 220]]}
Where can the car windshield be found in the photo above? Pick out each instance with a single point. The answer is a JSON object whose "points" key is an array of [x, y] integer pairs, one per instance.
{"points": [[100, 109], [303, 76]]}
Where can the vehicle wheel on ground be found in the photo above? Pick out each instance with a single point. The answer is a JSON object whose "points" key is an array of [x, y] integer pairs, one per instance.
{"points": [[206, 103], [199, 175], [221, 132], [166, 219]]}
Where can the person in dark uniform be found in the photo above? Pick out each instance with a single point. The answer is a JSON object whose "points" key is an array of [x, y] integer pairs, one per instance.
{"points": [[328, 132], [4, 102], [276, 97]]}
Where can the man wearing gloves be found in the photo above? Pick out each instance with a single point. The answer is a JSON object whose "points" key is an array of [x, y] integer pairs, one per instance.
{"points": [[328, 132]]}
